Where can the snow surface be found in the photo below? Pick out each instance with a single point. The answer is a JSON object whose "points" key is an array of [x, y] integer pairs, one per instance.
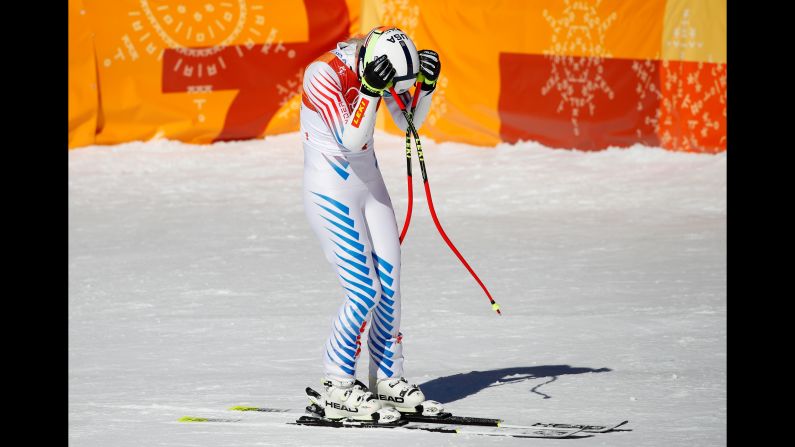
{"points": [[196, 284]]}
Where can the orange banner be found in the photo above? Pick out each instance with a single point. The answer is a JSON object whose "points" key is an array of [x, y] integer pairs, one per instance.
{"points": [[584, 74], [83, 89], [203, 71]]}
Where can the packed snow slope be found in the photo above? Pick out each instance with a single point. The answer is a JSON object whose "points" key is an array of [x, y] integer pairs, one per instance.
{"points": [[195, 284]]}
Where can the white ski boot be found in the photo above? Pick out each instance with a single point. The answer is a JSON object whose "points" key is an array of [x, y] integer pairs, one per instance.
{"points": [[405, 398], [349, 399]]}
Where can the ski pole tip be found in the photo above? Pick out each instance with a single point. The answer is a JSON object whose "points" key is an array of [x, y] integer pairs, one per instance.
{"points": [[496, 308]]}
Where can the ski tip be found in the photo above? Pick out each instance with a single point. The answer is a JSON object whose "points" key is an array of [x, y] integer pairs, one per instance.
{"points": [[191, 419], [243, 408]]}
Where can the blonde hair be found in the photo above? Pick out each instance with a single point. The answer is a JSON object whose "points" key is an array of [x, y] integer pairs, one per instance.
{"points": [[357, 40]]}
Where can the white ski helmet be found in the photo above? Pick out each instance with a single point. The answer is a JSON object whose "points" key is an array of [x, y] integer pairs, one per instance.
{"points": [[400, 51]]}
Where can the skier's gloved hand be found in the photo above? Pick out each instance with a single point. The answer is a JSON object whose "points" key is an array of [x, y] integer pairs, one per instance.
{"points": [[430, 67], [377, 76]]}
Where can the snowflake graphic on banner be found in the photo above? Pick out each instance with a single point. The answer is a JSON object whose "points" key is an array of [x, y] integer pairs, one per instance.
{"points": [[689, 97], [684, 36], [403, 14], [690, 93], [647, 73], [199, 32], [580, 30]]}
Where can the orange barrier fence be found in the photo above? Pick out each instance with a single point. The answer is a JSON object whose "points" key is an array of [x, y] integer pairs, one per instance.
{"points": [[584, 74]]}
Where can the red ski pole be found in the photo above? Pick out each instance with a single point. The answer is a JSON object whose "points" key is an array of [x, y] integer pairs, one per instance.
{"points": [[408, 168], [402, 106]]}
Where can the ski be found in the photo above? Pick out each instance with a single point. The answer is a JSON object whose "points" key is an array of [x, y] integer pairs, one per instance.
{"points": [[443, 418], [585, 428], [203, 419], [349, 423], [450, 419], [262, 409], [515, 432], [315, 421]]}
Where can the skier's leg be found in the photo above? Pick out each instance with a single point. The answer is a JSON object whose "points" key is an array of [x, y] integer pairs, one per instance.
{"points": [[384, 340], [336, 218]]}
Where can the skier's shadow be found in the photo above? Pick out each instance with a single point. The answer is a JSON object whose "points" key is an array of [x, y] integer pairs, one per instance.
{"points": [[458, 386]]}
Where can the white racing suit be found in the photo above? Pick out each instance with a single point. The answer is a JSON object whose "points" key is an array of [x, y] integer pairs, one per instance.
{"points": [[349, 209]]}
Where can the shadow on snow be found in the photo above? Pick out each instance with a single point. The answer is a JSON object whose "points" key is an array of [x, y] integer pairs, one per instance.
{"points": [[458, 386]]}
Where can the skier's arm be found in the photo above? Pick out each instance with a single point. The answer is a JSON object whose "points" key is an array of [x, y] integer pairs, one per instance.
{"points": [[351, 128], [423, 107], [430, 67]]}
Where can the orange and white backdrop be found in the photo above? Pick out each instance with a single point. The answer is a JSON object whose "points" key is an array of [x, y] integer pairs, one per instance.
{"points": [[584, 74]]}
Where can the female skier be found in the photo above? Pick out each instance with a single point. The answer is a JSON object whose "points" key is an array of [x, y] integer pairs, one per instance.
{"points": [[349, 209]]}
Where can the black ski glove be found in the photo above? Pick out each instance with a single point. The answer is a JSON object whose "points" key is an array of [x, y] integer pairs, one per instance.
{"points": [[377, 76], [430, 67]]}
